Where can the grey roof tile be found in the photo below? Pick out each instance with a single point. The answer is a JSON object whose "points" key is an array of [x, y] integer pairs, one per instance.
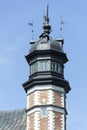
{"points": [[13, 120]]}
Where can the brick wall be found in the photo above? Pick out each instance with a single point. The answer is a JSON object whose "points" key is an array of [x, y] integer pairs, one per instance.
{"points": [[53, 120], [58, 121], [58, 99], [30, 125], [37, 122], [43, 123], [45, 97]]}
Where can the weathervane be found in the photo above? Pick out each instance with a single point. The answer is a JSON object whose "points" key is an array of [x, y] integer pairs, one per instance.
{"points": [[61, 28], [31, 24]]}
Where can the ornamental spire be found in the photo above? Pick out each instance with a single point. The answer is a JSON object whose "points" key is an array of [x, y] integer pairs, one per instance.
{"points": [[46, 18], [46, 26]]}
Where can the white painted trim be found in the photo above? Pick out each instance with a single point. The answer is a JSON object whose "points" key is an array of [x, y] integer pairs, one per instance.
{"points": [[49, 108], [55, 109], [50, 97], [46, 87], [28, 101], [63, 122], [62, 99], [28, 123], [36, 121], [51, 121], [33, 110]]}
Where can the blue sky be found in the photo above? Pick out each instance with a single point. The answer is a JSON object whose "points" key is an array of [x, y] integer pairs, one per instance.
{"points": [[15, 35]]}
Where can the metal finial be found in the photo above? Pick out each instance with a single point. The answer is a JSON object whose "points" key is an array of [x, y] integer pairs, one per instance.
{"points": [[31, 24], [46, 26], [47, 15], [47, 10]]}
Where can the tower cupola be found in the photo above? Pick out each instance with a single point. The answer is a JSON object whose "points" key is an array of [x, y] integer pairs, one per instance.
{"points": [[46, 59], [46, 87]]}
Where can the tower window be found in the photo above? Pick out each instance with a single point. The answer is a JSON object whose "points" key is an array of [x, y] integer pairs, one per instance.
{"points": [[57, 67], [44, 65], [43, 112], [33, 67]]}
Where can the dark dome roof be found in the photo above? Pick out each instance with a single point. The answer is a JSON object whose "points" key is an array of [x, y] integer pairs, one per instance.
{"points": [[47, 44]]}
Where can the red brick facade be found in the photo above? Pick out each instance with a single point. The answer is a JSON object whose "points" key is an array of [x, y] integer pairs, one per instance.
{"points": [[43, 122], [57, 121], [45, 97], [30, 124], [57, 99]]}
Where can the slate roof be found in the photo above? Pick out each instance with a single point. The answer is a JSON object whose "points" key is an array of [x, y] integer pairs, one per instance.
{"points": [[50, 44], [13, 120]]}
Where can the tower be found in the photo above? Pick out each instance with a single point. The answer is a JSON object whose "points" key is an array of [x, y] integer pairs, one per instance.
{"points": [[46, 88]]}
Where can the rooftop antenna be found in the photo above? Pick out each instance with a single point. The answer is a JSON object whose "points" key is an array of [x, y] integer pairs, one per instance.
{"points": [[31, 24], [61, 26]]}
